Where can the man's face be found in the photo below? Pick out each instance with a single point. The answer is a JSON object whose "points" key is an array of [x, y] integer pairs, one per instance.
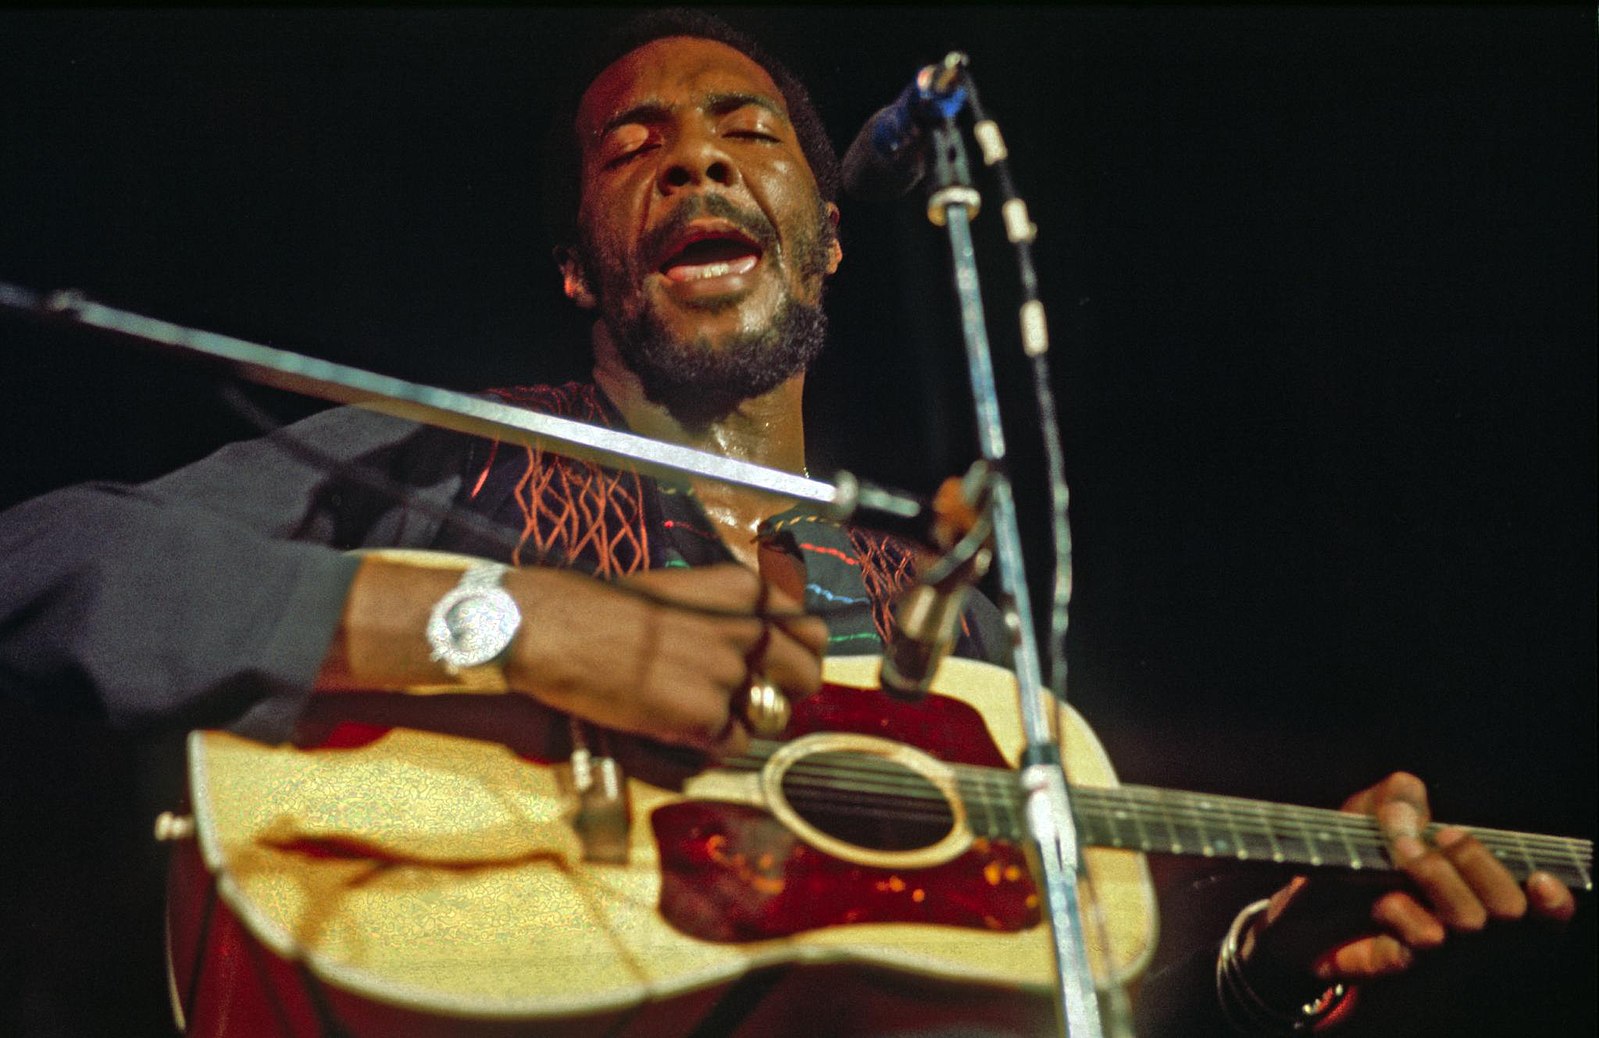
{"points": [[703, 239]]}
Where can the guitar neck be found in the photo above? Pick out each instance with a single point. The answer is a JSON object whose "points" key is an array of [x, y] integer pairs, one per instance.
{"points": [[1170, 822]]}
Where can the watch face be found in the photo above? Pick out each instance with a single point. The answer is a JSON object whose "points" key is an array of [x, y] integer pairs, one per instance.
{"points": [[481, 626]]}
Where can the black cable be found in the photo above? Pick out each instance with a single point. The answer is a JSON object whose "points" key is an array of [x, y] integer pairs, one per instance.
{"points": [[1020, 232]]}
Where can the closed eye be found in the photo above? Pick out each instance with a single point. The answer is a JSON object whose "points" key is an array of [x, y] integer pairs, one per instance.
{"points": [[627, 156]]}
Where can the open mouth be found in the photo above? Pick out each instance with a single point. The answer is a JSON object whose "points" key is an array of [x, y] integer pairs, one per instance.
{"points": [[711, 254]]}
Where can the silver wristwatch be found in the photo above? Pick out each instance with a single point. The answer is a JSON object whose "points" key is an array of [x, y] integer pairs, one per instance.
{"points": [[471, 627]]}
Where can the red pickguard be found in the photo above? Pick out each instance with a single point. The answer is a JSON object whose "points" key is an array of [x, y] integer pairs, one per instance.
{"points": [[734, 873]]}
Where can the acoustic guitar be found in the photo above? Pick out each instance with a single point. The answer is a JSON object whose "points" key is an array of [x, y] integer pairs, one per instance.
{"points": [[443, 865]]}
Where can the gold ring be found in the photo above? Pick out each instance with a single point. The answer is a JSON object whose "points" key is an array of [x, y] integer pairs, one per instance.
{"points": [[766, 710]]}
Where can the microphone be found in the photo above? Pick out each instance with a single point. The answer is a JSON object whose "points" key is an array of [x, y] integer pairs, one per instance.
{"points": [[928, 617], [885, 159]]}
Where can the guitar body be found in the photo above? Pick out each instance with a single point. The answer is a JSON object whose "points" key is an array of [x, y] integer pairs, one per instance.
{"points": [[384, 880]]}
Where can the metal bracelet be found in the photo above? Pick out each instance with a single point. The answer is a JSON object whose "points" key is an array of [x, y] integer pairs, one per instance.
{"points": [[1242, 1005]]}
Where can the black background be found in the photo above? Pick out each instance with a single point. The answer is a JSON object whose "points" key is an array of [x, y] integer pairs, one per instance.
{"points": [[1321, 285]]}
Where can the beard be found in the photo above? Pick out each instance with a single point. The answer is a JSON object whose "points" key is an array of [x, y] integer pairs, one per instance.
{"points": [[698, 381]]}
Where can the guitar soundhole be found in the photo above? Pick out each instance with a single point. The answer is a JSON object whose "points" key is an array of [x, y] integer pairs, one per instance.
{"points": [[868, 801]]}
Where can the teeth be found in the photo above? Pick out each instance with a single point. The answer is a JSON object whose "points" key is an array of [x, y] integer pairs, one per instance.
{"points": [[705, 271]]}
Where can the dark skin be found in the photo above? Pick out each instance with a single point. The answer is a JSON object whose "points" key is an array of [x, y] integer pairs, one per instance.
{"points": [[585, 648], [677, 118], [682, 116], [1333, 932]]}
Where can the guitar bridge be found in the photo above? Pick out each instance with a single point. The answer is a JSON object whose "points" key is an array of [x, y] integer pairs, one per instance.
{"points": [[601, 814]]}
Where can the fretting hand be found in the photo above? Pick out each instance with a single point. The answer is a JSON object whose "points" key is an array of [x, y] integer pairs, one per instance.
{"points": [[1322, 931]]}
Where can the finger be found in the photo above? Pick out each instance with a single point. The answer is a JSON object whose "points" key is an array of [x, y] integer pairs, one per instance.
{"points": [[708, 720], [1401, 812], [787, 617], [696, 720], [1447, 892], [1401, 824], [725, 588], [789, 652], [1365, 959], [732, 741], [809, 632], [1409, 921], [1307, 917], [757, 613], [771, 613], [1492, 883], [1551, 899], [792, 666], [1401, 786]]}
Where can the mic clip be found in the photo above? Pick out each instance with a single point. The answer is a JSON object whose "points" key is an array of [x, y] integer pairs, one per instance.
{"points": [[928, 617]]}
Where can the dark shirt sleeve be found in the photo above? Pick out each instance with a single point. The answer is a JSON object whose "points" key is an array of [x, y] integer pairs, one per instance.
{"points": [[1177, 994], [210, 596]]}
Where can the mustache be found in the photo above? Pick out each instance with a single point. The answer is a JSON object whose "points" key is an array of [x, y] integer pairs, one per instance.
{"points": [[751, 221]]}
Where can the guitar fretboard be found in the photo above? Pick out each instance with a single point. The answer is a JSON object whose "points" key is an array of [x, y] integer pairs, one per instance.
{"points": [[1165, 821], [1162, 821]]}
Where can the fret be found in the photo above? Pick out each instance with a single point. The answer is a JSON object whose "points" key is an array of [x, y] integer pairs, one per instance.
{"points": [[1314, 856], [1370, 840], [1098, 816], [1000, 806], [1116, 816], [1270, 828], [1526, 856], [1112, 815], [978, 796], [1092, 826], [1143, 833], [1207, 846], [1240, 845], [1294, 841], [1586, 880], [1175, 827], [1165, 821], [1349, 847], [1525, 853], [1010, 808]]}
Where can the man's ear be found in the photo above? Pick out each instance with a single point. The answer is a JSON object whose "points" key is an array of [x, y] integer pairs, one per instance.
{"points": [[574, 281], [835, 251]]}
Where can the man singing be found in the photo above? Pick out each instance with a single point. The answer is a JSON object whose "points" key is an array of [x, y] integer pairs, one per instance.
{"points": [[703, 230]]}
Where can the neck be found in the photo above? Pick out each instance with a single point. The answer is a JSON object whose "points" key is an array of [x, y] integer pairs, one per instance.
{"points": [[766, 430]]}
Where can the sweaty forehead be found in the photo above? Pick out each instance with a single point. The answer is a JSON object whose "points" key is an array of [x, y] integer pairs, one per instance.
{"points": [[671, 72]]}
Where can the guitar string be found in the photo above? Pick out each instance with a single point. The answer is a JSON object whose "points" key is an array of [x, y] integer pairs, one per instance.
{"points": [[1188, 811], [1567, 865], [1204, 806], [1375, 854], [1518, 842], [1198, 829], [1185, 808], [1201, 809], [1197, 809], [1366, 835], [890, 780]]}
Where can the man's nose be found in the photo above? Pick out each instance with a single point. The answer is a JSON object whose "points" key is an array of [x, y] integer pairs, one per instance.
{"points": [[696, 159]]}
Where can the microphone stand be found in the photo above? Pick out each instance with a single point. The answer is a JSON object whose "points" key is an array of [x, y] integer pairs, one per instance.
{"points": [[847, 499], [952, 202]]}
